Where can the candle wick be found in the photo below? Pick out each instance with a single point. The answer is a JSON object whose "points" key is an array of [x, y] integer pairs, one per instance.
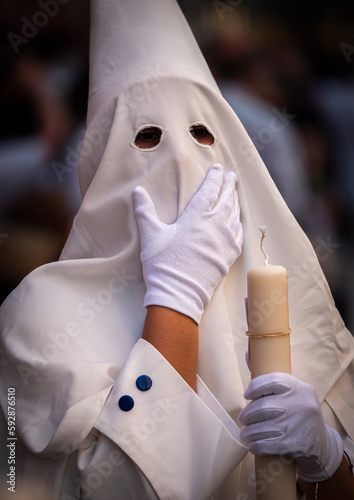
{"points": [[263, 230]]}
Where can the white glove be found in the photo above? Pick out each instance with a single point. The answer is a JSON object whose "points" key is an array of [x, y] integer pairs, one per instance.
{"points": [[184, 262], [289, 421]]}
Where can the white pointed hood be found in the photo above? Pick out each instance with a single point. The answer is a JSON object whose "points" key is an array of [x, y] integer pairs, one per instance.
{"points": [[146, 69]]}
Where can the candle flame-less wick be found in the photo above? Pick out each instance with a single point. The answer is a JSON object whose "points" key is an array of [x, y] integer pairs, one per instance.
{"points": [[263, 230]]}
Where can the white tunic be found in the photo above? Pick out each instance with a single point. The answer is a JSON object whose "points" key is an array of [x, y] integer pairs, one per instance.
{"points": [[70, 332]]}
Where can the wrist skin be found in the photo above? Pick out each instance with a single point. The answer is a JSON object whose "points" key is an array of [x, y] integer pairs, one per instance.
{"points": [[175, 336], [338, 487]]}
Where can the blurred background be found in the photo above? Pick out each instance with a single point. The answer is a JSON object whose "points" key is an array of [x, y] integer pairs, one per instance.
{"points": [[286, 68]]}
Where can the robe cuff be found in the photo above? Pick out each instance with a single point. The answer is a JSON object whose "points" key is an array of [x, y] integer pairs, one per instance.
{"points": [[184, 442]]}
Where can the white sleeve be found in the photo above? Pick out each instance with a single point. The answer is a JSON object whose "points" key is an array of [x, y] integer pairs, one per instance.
{"points": [[61, 404], [168, 430]]}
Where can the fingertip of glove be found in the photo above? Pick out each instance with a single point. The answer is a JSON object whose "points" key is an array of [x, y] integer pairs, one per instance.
{"points": [[215, 174], [231, 177], [141, 201], [137, 189], [275, 383], [137, 194], [241, 420]]}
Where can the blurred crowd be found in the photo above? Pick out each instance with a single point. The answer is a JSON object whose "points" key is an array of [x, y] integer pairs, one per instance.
{"points": [[286, 68], [43, 95]]}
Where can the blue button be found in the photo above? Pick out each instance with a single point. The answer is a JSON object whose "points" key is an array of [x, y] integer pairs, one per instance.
{"points": [[143, 383], [126, 403]]}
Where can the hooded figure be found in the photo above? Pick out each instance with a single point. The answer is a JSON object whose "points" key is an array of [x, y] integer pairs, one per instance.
{"points": [[70, 333]]}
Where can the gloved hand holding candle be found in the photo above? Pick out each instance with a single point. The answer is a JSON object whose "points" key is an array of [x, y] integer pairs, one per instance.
{"points": [[285, 418]]}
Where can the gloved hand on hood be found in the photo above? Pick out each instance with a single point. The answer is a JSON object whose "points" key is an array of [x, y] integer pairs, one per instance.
{"points": [[184, 262]]}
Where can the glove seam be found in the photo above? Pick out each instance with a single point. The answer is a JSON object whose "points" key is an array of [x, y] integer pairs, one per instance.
{"points": [[154, 296], [173, 234]]}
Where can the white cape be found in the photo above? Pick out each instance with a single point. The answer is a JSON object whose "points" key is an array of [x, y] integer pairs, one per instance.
{"points": [[67, 330]]}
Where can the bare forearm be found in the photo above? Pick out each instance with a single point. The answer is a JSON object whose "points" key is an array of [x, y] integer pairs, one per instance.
{"points": [[338, 487], [175, 336]]}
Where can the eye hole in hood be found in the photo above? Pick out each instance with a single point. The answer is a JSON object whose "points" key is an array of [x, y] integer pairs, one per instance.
{"points": [[202, 135], [148, 137]]}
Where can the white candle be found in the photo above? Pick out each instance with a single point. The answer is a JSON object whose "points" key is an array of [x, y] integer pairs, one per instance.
{"points": [[268, 300], [268, 320], [269, 351]]}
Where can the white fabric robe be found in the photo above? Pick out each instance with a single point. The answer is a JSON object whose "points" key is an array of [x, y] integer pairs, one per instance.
{"points": [[70, 332]]}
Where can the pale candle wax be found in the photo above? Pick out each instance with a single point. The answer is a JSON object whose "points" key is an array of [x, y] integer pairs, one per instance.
{"points": [[269, 351], [268, 310], [268, 318]]}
